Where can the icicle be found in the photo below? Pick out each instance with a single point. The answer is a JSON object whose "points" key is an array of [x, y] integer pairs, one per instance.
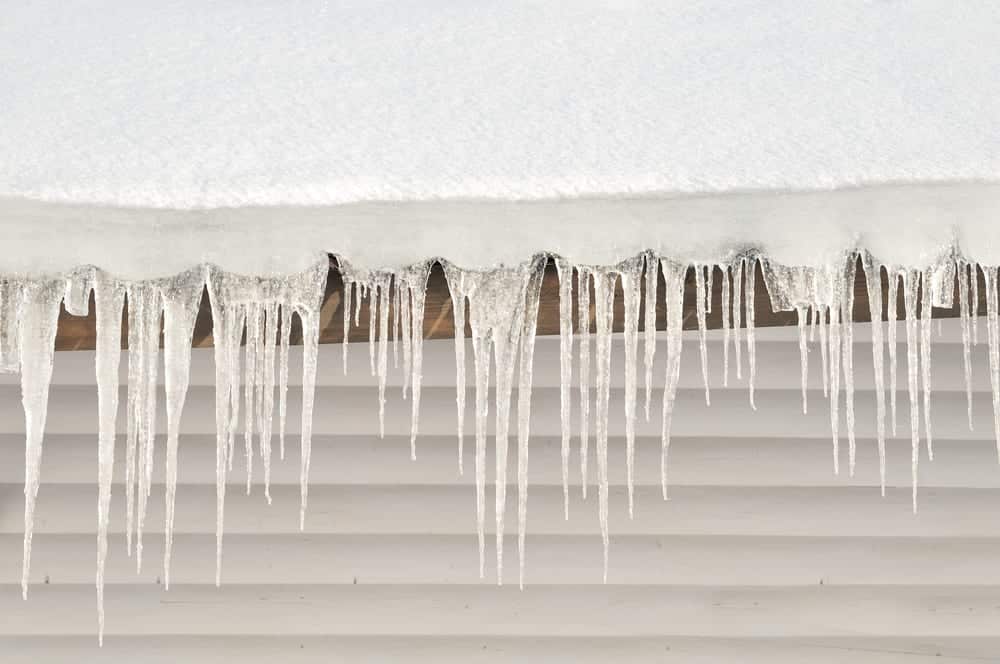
{"points": [[181, 300], [737, 309], [285, 335], [270, 341], [700, 298], [109, 298], [232, 296], [583, 326], [652, 275], [372, 313], [873, 281], [404, 317], [674, 293], [803, 356], [306, 295], [911, 281], [394, 322], [834, 352], [963, 310], [604, 299], [974, 279], [925, 357], [631, 275], [993, 340], [524, 406], [824, 312], [496, 301], [348, 287], [381, 286], [751, 270], [458, 307], [847, 316], [251, 351], [38, 314], [726, 310], [892, 308], [11, 294], [815, 324], [144, 334], [565, 271], [415, 279]]}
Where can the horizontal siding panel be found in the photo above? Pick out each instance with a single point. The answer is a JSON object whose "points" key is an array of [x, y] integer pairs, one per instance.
{"points": [[374, 509], [538, 610], [353, 411], [694, 461], [255, 649], [693, 560]]}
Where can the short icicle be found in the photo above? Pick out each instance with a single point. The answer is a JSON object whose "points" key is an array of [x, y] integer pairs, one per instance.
{"points": [[701, 296], [803, 317]]}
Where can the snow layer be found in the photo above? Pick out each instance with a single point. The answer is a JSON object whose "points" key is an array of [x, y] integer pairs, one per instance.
{"points": [[187, 104]]}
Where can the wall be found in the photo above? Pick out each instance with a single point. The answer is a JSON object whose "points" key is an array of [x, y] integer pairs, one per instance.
{"points": [[761, 555]]}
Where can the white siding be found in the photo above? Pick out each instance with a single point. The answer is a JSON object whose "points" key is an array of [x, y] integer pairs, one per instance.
{"points": [[761, 555]]}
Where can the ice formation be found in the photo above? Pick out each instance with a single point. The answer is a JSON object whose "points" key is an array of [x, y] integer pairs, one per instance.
{"points": [[252, 329]]}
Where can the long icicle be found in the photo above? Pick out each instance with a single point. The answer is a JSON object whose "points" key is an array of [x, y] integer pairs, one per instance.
{"points": [[565, 272], [415, 279], [962, 272], [892, 307], [700, 298], [652, 278], [38, 314], [532, 294], [993, 340], [751, 276], [911, 281], [458, 309], [847, 304], [630, 273], [109, 300], [873, 281], [673, 274], [925, 357], [604, 299], [181, 301], [583, 327]]}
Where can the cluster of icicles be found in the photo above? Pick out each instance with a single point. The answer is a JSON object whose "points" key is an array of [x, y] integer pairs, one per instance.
{"points": [[251, 330]]}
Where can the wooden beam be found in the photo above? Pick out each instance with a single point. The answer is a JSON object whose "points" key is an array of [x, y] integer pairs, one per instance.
{"points": [[79, 332]]}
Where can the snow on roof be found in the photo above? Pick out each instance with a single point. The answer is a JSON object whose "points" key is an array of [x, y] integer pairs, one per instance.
{"points": [[185, 104]]}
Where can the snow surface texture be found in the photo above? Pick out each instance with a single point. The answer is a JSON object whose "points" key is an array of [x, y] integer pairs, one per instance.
{"points": [[188, 104]]}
